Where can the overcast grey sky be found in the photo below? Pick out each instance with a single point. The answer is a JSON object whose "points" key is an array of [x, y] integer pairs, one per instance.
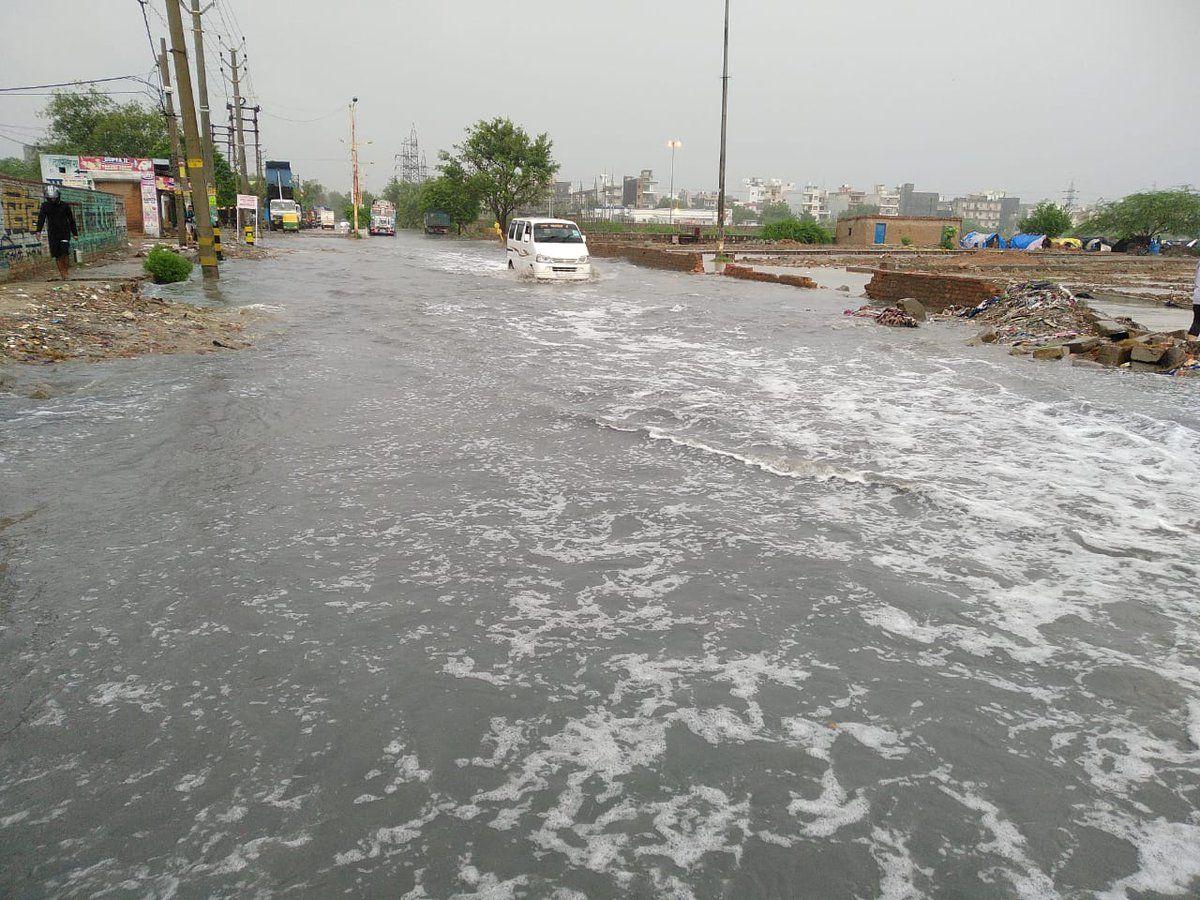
{"points": [[1022, 95]]}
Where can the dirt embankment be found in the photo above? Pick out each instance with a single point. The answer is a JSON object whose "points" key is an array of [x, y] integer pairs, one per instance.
{"points": [[46, 322]]}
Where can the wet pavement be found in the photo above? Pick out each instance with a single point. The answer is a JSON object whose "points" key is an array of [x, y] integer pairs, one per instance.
{"points": [[658, 585]]}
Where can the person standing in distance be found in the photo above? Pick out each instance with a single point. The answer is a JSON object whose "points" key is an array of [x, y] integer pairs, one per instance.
{"points": [[59, 222], [1194, 331]]}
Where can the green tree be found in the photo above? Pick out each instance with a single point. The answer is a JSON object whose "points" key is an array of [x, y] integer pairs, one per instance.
{"points": [[18, 168], [949, 233], [510, 167], [227, 183], [407, 199], [664, 203], [743, 214], [776, 212], [796, 230], [310, 194], [1148, 215], [454, 193], [88, 123], [1047, 218], [338, 202], [860, 209]]}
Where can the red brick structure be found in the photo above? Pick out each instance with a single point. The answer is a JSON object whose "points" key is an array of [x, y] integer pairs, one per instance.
{"points": [[653, 257], [891, 231], [745, 272], [936, 292]]}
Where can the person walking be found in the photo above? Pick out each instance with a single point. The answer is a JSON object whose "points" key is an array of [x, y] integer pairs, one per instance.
{"points": [[59, 222], [1194, 331]]}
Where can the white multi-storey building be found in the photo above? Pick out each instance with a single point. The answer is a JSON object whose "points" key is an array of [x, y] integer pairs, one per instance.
{"points": [[767, 190]]}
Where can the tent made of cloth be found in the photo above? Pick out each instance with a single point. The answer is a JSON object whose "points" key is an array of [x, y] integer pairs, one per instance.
{"points": [[979, 240], [1066, 243], [1027, 241]]}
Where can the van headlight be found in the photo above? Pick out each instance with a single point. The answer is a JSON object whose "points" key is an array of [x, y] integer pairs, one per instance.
{"points": [[542, 259], [584, 259]]}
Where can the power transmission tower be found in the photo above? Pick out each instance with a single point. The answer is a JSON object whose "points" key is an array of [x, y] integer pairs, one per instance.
{"points": [[176, 159], [355, 196], [1070, 197], [205, 125], [411, 160], [257, 146], [197, 174], [241, 136]]}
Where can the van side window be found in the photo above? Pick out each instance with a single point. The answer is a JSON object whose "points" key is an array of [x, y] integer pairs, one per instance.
{"points": [[512, 227], [527, 233]]}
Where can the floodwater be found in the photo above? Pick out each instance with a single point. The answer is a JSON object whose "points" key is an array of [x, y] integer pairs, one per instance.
{"points": [[658, 585]]}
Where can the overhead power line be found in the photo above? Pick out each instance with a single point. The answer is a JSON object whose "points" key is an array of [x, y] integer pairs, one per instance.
{"points": [[78, 81]]}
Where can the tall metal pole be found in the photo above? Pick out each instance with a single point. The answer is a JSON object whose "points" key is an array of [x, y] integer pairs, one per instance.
{"points": [[257, 147], [197, 174], [724, 120], [177, 168], [354, 165], [237, 116], [205, 123], [674, 145]]}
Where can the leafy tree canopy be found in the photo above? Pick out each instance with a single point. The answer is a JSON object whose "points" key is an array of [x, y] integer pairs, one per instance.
{"points": [[776, 212], [1150, 214], [226, 181], [796, 230], [743, 214], [454, 193], [88, 123], [860, 209], [407, 199], [311, 193], [18, 168], [510, 167], [1047, 218]]}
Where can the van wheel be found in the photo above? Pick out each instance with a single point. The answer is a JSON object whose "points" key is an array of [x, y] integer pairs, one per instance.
{"points": [[510, 265]]}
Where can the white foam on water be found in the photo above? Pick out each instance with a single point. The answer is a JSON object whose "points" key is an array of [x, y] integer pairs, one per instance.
{"points": [[1168, 860]]}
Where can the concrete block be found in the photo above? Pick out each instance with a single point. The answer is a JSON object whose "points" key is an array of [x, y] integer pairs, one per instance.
{"points": [[1112, 355], [1082, 344], [1112, 330], [1054, 351], [1148, 353], [914, 308]]}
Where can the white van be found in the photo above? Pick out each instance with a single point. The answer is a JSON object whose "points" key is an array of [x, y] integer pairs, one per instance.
{"points": [[548, 249]]}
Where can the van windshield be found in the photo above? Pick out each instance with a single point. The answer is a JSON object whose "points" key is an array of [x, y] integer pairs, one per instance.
{"points": [[559, 233]]}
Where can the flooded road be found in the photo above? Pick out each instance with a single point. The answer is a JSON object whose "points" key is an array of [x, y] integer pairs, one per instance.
{"points": [[658, 585]]}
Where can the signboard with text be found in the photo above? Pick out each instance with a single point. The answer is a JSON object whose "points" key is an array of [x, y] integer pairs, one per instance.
{"points": [[247, 201]]}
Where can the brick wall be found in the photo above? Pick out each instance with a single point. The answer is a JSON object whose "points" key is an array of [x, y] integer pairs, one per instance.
{"points": [[745, 272], [937, 292], [100, 218], [920, 231], [654, 257]]}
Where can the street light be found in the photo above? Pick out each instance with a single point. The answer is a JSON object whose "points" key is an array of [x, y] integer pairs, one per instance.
{"points": [[724, 119], [673, 145]]}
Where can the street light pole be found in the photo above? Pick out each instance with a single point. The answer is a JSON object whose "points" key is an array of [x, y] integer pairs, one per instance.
{"points": [[724, 120], [354, 165], [674, 145]]}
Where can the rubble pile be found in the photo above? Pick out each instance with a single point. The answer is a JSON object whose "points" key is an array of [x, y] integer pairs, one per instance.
{"points": [[92, 320], [891, 316], [1046, 321]]}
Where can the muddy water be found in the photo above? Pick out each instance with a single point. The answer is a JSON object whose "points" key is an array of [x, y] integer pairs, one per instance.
{"points": [[659, 585]]}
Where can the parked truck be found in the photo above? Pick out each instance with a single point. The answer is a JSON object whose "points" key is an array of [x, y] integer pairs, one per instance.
{"points": [[437, 222], [383, 217], [278, 174], [327, 219]]}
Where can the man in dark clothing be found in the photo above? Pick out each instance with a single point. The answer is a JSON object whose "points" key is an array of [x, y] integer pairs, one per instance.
{"points": [[59, 222]]}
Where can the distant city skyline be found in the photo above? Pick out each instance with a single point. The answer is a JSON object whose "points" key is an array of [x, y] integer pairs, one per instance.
{"points": [[1026, 98]]}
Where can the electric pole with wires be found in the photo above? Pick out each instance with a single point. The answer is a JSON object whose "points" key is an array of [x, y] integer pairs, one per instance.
{"points": [[205, 123], [197, 175], [237, 118], [177, 166]]}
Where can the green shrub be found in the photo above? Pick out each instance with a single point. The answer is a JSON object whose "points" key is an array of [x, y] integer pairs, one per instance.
{"points": [[797, 230], [167, 266], [906, 241], [948, 235]]}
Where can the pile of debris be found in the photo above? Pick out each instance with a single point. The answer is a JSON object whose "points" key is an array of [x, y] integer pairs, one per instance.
{"points": [[93, 320], [906, 314], [1046, 321]]}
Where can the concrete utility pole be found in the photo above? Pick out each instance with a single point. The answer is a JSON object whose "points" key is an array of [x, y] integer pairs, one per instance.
{"points": [[177, 168], [197, 174], [257, 147], [205, 124], [673, 145], [724, 120], [237, 117], [354, 199]]}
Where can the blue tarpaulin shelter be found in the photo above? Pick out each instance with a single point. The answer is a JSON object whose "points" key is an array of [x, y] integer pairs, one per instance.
{"points": [[979, 240], [1027, 241]]}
